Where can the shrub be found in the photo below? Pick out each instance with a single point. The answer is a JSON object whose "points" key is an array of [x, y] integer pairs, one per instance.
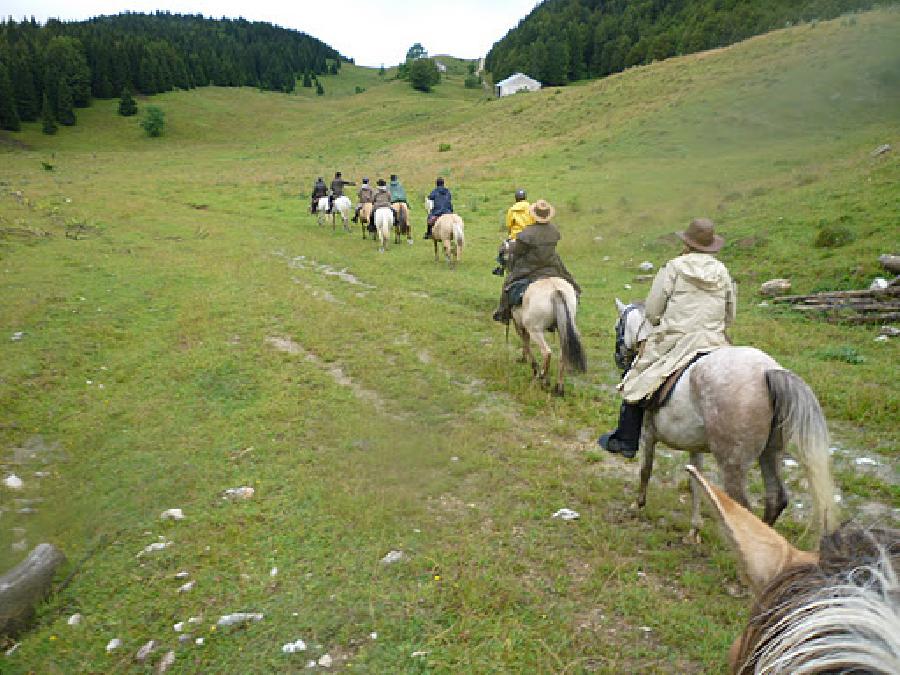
{"points": [[843, 353], [359, 89], [153, 121], [127, 104], [423, 74], [444, 147], [833, 236], [472, 82], [320, 90]]}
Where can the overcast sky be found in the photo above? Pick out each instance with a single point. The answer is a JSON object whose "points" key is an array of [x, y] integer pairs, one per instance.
{"points": [[371, 32]]}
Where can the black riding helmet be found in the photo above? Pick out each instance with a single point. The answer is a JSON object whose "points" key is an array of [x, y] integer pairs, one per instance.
{"points": [[520, 195]]}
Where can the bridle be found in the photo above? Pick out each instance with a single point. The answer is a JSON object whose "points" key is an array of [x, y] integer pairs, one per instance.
{"points": [[624, 355]]}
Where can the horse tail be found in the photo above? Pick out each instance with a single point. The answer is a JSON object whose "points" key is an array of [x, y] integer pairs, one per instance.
{"points": [[569, 339], [799, 418], [458, 232]]}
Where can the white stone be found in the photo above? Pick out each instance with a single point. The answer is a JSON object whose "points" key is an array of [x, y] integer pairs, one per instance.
{"points": [[172, 514], [878, 284], [145, 651], [182, 575], [18, 335], [244, 492], [865, 461], [774, 287], [325, 661], [13, 482], [393, 557], [645, 266], [415, 655], [113, 644], [238, 618], [155, 546], [790, 462], [189, 586], [199, 641], [166, 662], [373, 635], [294, 647], [273, 572], [567, 514], [75, 619], [179, 626]]}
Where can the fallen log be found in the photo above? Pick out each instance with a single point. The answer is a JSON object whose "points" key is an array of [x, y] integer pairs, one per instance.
{"points": [[889, 292], [25, 585]]}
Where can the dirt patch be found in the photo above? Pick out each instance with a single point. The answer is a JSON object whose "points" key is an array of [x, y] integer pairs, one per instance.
{"points": [[10, 142]]}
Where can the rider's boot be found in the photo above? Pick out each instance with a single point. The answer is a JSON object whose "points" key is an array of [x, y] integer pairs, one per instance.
{"points": [[624, 440]]}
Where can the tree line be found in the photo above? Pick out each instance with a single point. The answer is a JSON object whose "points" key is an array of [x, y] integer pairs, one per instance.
{"points": [[566, 40], [48, 70]]}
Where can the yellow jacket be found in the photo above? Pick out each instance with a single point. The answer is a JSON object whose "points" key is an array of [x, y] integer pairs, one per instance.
{"points": [[518, 217]]}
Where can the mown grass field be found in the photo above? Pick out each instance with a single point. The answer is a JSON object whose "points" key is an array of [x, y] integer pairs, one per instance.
{"points": [[186, 328]]}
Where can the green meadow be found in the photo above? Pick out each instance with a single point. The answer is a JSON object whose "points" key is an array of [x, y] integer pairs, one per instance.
{"points": [[173, 323]]}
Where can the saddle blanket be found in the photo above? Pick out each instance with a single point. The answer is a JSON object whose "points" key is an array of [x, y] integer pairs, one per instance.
{"points": [[660, 397]]}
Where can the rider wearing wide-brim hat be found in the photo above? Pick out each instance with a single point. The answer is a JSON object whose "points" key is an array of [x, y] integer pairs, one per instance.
{"points": [[690, 305], [533, 256], [382, 199]]}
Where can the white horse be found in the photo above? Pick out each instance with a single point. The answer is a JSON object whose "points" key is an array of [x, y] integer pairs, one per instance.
{"points": [[550, 303], [449, 230], [322, 210], [341, 205], [384, 221], [738, 404]]}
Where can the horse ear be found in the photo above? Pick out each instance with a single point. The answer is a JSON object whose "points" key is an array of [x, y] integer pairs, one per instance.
{"points": [[763, 553], [620, 306]]}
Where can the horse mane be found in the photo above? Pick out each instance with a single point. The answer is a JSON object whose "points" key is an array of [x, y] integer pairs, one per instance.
{"points": [[839, 615]]}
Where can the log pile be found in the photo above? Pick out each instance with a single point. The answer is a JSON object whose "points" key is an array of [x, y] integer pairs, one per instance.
{"points": [[873, 306]]}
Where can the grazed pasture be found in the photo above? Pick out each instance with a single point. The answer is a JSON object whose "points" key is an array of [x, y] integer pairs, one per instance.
{"points": [[186, 328]]}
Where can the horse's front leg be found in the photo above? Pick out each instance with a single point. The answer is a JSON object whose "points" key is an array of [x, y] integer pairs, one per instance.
{"points": [[436, 256], [693, 536], [647, 448]]}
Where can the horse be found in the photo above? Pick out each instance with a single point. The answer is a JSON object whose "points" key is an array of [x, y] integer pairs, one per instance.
{"points": [[401, 222], [449, 230], [738, 404], [365, 217], [322, 210], [550, 303], [384, 221], [341, 205], [827, 611]]}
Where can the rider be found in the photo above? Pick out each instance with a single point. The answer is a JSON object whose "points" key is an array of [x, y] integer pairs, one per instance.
{"points": [[398, 194], [319, 190], [442, 204], [366, 195], [518, 217], [690, 305], [382, 198], [533, 256], [337, 188]]}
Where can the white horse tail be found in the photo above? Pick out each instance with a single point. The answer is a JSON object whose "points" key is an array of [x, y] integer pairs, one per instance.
{"points": [[458, 232], [799, 418], [569, 339]]}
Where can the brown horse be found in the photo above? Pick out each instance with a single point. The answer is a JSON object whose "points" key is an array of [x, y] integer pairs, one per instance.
{"points": [[365, 217], [401, 222], [835, 610]]}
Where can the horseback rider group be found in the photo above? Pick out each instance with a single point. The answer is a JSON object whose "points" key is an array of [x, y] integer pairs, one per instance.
{"points": [[690, 305]]}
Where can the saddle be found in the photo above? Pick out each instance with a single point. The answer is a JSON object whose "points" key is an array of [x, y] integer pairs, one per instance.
{"points": [[516, 291], [660, 397]]}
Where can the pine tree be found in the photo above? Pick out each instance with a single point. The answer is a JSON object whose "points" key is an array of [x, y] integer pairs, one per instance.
{"points": [[48, 123], [307, 79], [9, 117], [319, 88], [65, 108], [127, 104]]}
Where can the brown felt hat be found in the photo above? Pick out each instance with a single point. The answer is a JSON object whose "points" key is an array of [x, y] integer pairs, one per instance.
{"points": [[543, 211], [701, 236]]}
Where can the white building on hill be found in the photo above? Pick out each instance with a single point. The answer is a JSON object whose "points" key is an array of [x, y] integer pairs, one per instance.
{"points": [[515, 83]]}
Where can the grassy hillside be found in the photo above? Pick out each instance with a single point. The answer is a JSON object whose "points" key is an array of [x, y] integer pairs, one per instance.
{"points": [[186, 327]]}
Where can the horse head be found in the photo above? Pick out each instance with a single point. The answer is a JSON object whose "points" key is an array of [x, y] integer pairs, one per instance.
{"points": [[628, 332], [831, 610]]}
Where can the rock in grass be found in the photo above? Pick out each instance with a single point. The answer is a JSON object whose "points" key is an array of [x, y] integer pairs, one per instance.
{"points": [[75, 619], [326, 661], [238, 618], [145, 651], [172, 514], [890, 262], [237, 493], [25, 585], [113, 645], [294, 647], [880, 150], [393, 557], [774, 287], [13, 482], [567, 514], [646, 266], [166, 662]]}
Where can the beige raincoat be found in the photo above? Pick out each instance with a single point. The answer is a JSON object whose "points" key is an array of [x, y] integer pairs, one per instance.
{"points": [[692, 301]]}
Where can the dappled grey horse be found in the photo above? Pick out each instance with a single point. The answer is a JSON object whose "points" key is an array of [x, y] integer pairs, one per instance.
{"points": [[738, 404]]}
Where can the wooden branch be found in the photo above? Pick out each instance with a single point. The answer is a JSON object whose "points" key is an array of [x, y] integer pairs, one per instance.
{"points": [[25, 585], [888, 292]]}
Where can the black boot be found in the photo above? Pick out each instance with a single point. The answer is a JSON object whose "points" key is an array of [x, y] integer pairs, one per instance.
{"points": [[624, 440]]}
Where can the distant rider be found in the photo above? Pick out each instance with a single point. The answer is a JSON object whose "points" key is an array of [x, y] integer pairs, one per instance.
{"points": [[319, 190], [690, 305], [398, 195], [337, 188], [533, 256], [518, 217], [382, 199], [441, 204], [366, 195]]}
